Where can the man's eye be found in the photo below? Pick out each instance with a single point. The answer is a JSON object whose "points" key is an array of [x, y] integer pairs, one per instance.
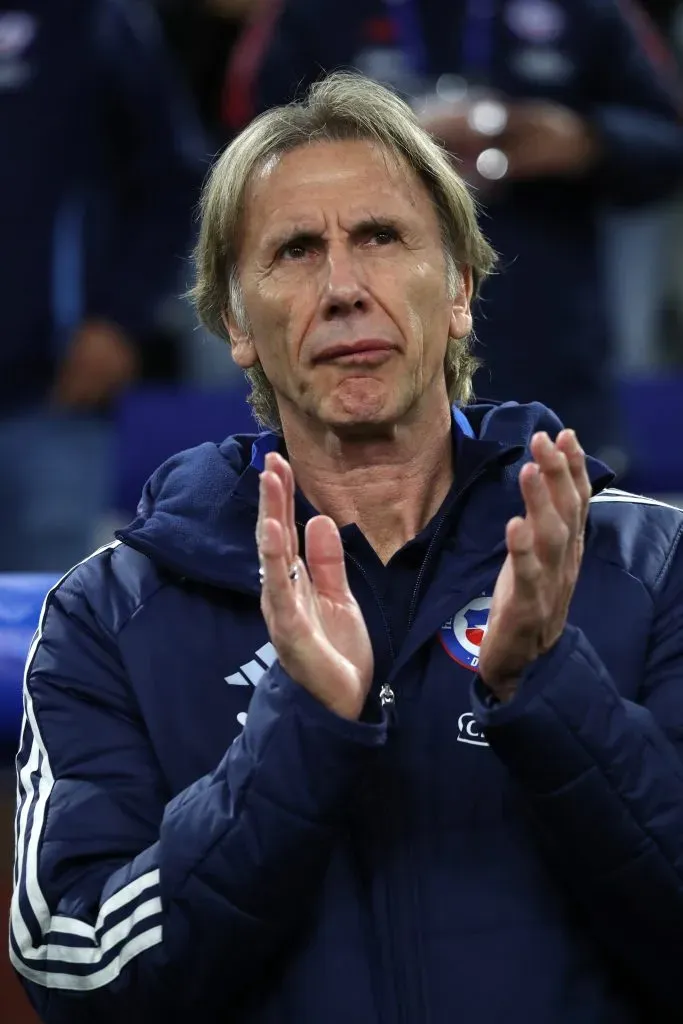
{"points": [[295, 250], [384, 236]]}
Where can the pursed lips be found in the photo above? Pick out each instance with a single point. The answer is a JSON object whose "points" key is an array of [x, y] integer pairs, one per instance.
{"points": [[366, 350]]}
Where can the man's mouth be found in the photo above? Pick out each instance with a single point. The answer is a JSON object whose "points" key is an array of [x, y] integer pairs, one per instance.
{"points": [[368, 352]]}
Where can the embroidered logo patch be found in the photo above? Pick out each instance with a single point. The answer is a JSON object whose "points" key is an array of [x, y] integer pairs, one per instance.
{"points": [[461, 635]]}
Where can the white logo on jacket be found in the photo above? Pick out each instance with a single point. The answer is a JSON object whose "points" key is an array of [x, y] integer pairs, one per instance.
{"points": [[252, 672], [469, 730]]}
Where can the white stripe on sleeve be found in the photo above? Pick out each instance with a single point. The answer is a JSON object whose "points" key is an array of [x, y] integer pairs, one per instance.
{"points": [[88, 963]]}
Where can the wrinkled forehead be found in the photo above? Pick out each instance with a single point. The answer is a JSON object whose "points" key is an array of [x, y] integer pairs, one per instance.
{"points": [[350, 177], [332, 157]]}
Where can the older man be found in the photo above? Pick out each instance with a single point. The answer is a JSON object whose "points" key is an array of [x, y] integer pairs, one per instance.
{"points": [[456, 792]]}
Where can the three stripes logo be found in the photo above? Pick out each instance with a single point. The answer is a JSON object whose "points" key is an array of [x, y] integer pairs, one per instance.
{"points": [[252, 672]]}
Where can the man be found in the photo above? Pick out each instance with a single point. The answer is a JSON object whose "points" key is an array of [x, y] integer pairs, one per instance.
{"points": [[100, 167], [456, 792], [591, 118]]}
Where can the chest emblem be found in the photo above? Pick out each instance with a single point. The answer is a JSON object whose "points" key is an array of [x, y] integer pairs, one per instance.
{"points": [[461, 636]]}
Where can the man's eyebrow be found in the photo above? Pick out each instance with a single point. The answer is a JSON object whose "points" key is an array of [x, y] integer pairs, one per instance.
{"points": [[280, 236], [389, 220], [367, 222]]}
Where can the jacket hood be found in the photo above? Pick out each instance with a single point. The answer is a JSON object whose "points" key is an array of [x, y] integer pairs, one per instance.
{"points": [[197, 514]]}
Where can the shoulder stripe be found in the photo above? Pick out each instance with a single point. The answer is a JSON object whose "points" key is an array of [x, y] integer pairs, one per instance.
{"points": [[613, 494], [128, 922]]}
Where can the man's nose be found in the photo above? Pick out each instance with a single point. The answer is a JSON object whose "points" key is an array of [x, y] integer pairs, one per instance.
{"points": [[344, 288]]}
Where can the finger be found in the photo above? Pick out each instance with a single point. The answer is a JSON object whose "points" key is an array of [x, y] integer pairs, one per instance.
{"points": [[325, 559], [290, 496], [568, 443], [527, 568], [550, 534], [278, 595], [271, 506], [282, 470], [554, 467], [276, 465]]}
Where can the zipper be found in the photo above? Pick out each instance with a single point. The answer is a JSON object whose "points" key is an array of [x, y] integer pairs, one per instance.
{"points": [[387, 697], [393, 880], [423, 568]]}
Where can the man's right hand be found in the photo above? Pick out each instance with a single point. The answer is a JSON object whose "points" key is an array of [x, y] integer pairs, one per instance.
{"points": [[314, 622]]}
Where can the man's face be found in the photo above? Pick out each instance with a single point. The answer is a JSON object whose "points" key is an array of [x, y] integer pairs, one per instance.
{"points": [[344, 281]]}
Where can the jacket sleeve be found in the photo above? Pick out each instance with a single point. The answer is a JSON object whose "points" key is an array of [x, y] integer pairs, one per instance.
{"points": [[132, 904], [604, 780], [636, 106], [156, 156]]}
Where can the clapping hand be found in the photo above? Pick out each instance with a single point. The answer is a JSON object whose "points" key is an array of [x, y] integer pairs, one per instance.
{"points": [[545, 547], [313, 619]]}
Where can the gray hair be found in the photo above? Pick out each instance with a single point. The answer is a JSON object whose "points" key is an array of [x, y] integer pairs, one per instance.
{"points": [[344, 106]]}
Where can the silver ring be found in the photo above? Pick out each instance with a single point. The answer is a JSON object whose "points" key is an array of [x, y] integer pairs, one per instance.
{"points": [[293, 573]]}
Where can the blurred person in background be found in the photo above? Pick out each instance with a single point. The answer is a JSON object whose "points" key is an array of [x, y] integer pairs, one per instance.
{"points": [[100, 165], [637, 243], [201, 35], [554, 108]]}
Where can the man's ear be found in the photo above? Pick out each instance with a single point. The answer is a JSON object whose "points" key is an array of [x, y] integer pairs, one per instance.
{"points": [[241, 343], [461, 314]]}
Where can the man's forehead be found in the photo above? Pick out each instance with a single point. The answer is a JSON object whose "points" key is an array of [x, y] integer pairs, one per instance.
{"points": [[339, 170]]}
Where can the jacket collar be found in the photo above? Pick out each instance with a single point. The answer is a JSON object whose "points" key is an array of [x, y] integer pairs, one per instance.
{"points": [[197, 517]]}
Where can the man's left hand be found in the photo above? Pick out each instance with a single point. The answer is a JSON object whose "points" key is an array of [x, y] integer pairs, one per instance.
{"points": [[544, 139], [545, 547]]}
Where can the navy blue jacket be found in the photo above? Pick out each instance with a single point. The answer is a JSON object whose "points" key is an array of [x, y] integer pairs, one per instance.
{"points": [[542, 324], [199, 839], [100, 165]]}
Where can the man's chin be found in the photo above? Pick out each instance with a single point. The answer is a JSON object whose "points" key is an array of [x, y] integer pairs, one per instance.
{"points": [[362, 419]]}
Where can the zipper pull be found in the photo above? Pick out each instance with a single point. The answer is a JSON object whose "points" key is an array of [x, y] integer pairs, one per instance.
{"points": [[387, 697]]}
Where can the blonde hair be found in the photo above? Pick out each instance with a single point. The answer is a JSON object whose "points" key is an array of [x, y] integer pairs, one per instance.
{"points": [[344, 106]]}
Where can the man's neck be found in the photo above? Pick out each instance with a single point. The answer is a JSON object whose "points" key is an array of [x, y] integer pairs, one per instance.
{"points": [[390, 487]]}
